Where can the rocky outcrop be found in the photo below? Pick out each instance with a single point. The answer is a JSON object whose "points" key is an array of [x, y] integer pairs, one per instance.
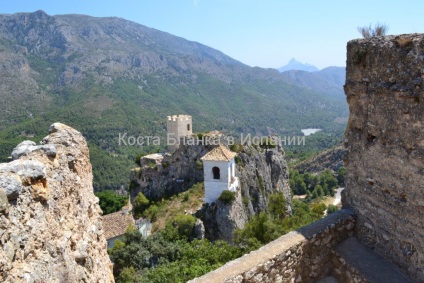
{"points": [[385, 147], [172, 174], [222, 219], [261, 172], [50, 229]]}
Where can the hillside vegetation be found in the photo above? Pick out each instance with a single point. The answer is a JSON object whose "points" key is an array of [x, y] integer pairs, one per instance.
{"points": [[106, 76]]}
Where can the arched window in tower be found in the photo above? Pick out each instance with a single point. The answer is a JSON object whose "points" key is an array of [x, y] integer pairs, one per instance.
{"points": [[188, 127], [216, 173]]}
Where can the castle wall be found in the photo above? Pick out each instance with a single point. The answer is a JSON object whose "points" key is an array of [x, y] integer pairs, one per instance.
{"points": [[385, 147], [305, 255]]}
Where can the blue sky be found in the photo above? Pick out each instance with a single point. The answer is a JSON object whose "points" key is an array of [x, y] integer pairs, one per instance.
{"points": [[265, 33]]}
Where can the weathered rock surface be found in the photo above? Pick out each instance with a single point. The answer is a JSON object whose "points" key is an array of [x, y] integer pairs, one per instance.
{"points": [[50, 228], [221, 219], [262, 172], [385, 147], [199, 230], [174, 174], [4, 202], [26, 147]]}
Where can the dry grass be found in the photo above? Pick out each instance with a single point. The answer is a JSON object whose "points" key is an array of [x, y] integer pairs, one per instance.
{"points": [[377, 30], [325, 200], [404, 41]]}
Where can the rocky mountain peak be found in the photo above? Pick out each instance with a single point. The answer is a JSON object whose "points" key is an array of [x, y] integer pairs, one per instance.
{"points": [[296, 65]]}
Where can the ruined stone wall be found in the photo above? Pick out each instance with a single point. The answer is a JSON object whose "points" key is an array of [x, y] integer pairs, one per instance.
{"points": [[385, 147], [304, 255], [50, 228]]}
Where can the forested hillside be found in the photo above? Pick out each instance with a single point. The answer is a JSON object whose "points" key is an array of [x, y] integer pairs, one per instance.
{"points": [[106, 76]]}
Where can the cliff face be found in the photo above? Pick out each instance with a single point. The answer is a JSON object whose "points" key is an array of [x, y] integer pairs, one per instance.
{"points": [[385, 146], [261, 172], [50, 229], [221, 220], [168, 176]]}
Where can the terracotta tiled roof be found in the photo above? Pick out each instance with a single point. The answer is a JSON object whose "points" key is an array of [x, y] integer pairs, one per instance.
{"points": [[115, 224], [220, 153]]}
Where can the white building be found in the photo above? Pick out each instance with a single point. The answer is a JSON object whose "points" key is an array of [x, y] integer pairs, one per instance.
{"points": [[219, 171], [178, 126]]}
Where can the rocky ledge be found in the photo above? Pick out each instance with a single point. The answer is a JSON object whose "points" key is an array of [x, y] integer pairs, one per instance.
{"points": [[50, 229]]}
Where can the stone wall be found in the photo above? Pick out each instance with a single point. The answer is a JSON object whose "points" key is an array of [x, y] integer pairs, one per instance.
{"points": [[301, 256], [385, 147], [50, 228]]}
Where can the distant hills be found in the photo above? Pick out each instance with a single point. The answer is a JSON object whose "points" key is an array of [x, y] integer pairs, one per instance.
{"points": [[328, 81], [296, 65], [105, 76]]}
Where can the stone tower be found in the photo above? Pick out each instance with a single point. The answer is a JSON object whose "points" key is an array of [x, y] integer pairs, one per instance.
{"points": [[177, 126], [219, 172]]}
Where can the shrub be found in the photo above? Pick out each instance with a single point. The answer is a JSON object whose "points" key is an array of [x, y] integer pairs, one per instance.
{"points": [[127, 275], [267, 143], [341, 173], [237, 159], [199, 164], [152, 165], [245, 201], [236, 147], [184, 224], [151, 213], [165, 164], [261, 183], [318, 209], [116, 246], [110, 201], [227, 196], [141, 203], [369, 31], [259, 230], [185, 197], [331, 208], [277, 205]]}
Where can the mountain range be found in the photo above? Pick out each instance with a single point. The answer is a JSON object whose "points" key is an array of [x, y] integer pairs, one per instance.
{"points": [[296, 65], [328, 81], [110, 76]]}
